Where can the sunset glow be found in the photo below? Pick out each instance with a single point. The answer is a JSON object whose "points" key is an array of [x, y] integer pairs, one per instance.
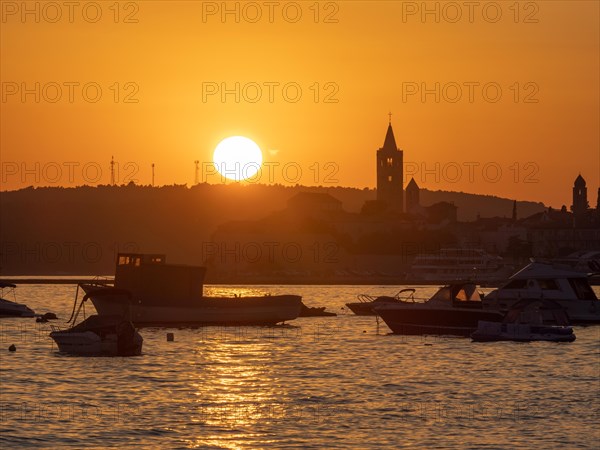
{"points": [[298, 224], [480, 104]]}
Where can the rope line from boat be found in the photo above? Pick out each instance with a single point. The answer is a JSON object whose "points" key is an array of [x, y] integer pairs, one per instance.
{"points": [[74, 304], [79, 309]]}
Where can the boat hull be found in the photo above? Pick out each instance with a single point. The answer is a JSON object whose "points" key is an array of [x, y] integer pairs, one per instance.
{"points": [[12, 309], [88, 343], [441, 321], [260, 310], [361, 308]]}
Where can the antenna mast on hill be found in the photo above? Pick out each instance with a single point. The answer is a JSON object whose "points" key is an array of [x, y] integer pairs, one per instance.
{"points": [[197, 172], [112, 170], [152, 174]]}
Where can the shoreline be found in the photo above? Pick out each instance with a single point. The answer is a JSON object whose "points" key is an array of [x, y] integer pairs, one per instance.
{"points": [[255, 281]]}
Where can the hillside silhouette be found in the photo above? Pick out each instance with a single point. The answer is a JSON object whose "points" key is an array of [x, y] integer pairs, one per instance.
{"points": [[55, 231]]}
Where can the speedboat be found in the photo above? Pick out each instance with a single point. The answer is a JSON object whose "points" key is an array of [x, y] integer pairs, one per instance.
{"points": [[528, 320], [98, 336], [365, 304], [454, 309], [153, 293], [12, 308], [570, 288]]}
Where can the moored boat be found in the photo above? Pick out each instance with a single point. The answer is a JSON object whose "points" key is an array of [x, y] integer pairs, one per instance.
{"points": [[172, 294], [107, 335], [570, 288], [315, 311], [528, 320], [454, 309], [10, 308], [99, 336]]}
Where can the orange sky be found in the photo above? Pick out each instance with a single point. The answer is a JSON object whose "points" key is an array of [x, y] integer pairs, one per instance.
{"points": [[374, 55]]}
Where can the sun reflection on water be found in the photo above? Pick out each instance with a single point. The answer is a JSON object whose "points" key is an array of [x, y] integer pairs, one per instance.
{"points": [[221, 291], [245, 392]]}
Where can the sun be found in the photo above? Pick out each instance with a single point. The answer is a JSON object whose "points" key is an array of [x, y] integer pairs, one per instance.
{"points": [[237, 158]]}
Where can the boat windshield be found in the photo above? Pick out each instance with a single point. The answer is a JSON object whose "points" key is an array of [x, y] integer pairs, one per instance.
{"points": [[461, 292], [468, 293], [443, 295], [582, 289]]}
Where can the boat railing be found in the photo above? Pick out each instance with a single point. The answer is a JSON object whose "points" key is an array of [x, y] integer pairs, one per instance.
{"points": [[404, 295], [100, 280], [365, 298], [410, 294]]}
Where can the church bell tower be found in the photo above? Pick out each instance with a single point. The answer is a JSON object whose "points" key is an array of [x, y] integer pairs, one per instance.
{"points": [[580, 202], [390, 172]]}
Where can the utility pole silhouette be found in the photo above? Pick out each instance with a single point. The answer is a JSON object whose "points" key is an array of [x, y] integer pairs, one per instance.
{"points": [[197, 173], [152, 174], [112, 171]]}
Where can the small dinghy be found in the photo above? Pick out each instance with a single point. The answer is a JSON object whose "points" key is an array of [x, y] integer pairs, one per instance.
{"points": [[315, 311], [528, 320], [12, 308], [106, 335]]}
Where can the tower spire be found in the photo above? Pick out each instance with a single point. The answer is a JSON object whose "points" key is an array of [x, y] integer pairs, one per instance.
{"points": [[390, 140], [390, 186]]}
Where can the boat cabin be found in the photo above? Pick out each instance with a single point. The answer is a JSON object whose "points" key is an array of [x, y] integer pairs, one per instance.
{"points": [[148, 277], [541, 280]]}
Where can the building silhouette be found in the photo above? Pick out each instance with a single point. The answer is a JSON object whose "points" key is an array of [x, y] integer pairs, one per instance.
{"points": [[580, 203], [555, 233], [390, 173], [412, 197]]}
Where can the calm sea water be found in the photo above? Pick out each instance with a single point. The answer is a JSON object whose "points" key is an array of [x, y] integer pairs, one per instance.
{"points": [[338, 382]]}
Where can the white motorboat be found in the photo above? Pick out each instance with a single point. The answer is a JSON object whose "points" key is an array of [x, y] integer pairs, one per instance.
{"points": [[152, 293], [98, 335], [528, 320], [10, 308], [569, 287]]}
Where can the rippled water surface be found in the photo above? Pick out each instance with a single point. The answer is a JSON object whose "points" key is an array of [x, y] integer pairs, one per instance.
{"points": [[337, 382]]}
